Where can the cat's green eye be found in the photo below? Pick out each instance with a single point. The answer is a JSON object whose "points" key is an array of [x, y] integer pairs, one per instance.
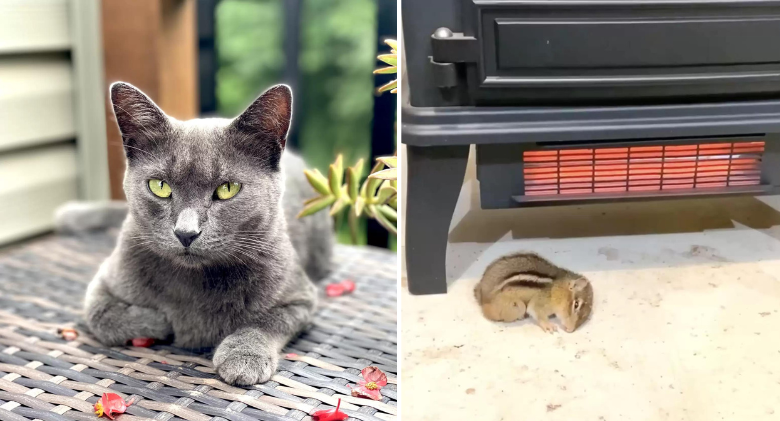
{"points": [[227, 190], [159, 188]]}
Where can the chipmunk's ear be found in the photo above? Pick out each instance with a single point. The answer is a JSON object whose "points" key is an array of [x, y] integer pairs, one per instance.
{"points": [[578, 284]]}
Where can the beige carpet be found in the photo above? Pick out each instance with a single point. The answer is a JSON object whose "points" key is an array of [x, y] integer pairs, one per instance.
{"points": [[685, 324]]}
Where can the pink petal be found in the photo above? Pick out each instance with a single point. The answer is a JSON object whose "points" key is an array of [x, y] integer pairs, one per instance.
{"points": [[362, 392], [143, 342], [113, 404], [334, 290], [330, 414], [348, 285], [374, 374]]}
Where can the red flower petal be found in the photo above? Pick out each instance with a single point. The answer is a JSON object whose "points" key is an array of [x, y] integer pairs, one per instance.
{"points": [[363, 392], [110, 404], [348, 285], [329, 414], [374, 374], [334, 290], [69, 334], [143, 342]]}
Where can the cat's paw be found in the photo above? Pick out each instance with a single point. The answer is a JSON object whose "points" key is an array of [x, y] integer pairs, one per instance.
{"points": [[148, 323], [121, 322], [241, 367]]}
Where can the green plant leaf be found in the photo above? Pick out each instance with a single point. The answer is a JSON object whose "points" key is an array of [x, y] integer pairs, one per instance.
{"points": [[364, 189], [393, 202], [388, 86], [390, 161], [373, 182], [383, 221], [336, 176], [352, 184], [338, 206], [339, 164], [352, 220], [386, 191], [317, 181], [391, 59], [392, 43], [358, 168], [317, 205], [388, 174], [386, 71], [388, 212], [307, 201], [369, 210], [360, 204], [353, 179]]}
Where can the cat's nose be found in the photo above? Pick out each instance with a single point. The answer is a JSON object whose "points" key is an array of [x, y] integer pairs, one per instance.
{"points": [[186, 237], [187, 227]]}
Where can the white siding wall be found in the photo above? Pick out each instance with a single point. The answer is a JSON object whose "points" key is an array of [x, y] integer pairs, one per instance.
{"points": [[36, 101], [39, 113], [33, 182], [34, 26]]}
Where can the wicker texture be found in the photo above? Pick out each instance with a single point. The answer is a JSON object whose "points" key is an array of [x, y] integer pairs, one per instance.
{"points": [[43, 376]]}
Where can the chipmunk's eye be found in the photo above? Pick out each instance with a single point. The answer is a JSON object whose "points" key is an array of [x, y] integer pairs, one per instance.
{"points": [[577, 305]]}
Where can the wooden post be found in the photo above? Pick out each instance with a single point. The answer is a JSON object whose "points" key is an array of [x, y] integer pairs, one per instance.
{"points": [[151, 44]]}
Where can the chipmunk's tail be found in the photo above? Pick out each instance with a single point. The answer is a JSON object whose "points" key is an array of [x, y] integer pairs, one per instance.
{"points": [[78, 217]]}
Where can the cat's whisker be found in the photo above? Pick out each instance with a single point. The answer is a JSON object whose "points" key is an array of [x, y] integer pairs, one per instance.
{"points": [[265, 250]]}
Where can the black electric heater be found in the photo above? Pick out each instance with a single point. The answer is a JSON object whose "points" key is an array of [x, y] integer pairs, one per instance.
{"points": [[583, 101]]}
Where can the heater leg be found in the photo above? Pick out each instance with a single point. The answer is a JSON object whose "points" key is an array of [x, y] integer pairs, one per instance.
{"points": [[433, 183]]}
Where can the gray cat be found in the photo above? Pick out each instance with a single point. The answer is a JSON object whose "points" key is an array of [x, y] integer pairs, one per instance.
{"points": [[210, 252]]}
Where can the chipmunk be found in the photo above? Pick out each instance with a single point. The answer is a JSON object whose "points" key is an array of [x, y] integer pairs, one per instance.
{"points": [[523, 283]]}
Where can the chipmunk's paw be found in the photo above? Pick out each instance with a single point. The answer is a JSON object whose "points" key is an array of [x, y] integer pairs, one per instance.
{"points": [[548, 327]]}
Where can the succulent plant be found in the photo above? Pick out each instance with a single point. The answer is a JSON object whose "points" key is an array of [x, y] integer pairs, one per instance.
{"points": [[377, 197], [392, 60], [341, 191]]}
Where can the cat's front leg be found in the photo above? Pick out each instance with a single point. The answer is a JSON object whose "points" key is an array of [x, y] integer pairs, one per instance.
{"points": [[113, 322], [251, 354]]}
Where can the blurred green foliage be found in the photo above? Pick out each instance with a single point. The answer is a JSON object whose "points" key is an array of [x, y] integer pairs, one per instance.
{"points": [[249, 40], [336, 59]]}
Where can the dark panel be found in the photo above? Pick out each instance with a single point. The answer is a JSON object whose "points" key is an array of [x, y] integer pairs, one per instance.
{"points": [[420, 20], [500, 174], [635, 43], [483, 125], [434, 179]]}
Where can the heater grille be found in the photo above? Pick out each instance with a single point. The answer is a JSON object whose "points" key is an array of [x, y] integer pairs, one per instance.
{"points": [[642, 168]]}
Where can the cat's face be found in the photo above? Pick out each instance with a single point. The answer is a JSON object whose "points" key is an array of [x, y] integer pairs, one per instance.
{"points": [[203, 191]]}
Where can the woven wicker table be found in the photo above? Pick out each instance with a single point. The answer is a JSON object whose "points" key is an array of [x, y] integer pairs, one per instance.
{"points": [[43, 376]]}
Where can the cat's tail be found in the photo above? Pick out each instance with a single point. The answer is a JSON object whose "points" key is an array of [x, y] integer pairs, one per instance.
{"points": [[78, 217]]}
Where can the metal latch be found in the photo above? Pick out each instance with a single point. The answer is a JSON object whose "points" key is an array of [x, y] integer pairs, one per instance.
{"points": [[449, 48]]}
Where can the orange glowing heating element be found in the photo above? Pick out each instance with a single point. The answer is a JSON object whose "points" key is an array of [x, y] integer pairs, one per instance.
{"points": [[642, 168]]}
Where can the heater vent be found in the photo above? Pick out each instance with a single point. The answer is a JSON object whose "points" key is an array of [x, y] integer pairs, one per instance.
{"points": [[642, 168]]}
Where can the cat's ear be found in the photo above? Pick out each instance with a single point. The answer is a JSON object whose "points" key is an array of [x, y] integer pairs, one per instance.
{"points": [[267, 119], [141, 122]]}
